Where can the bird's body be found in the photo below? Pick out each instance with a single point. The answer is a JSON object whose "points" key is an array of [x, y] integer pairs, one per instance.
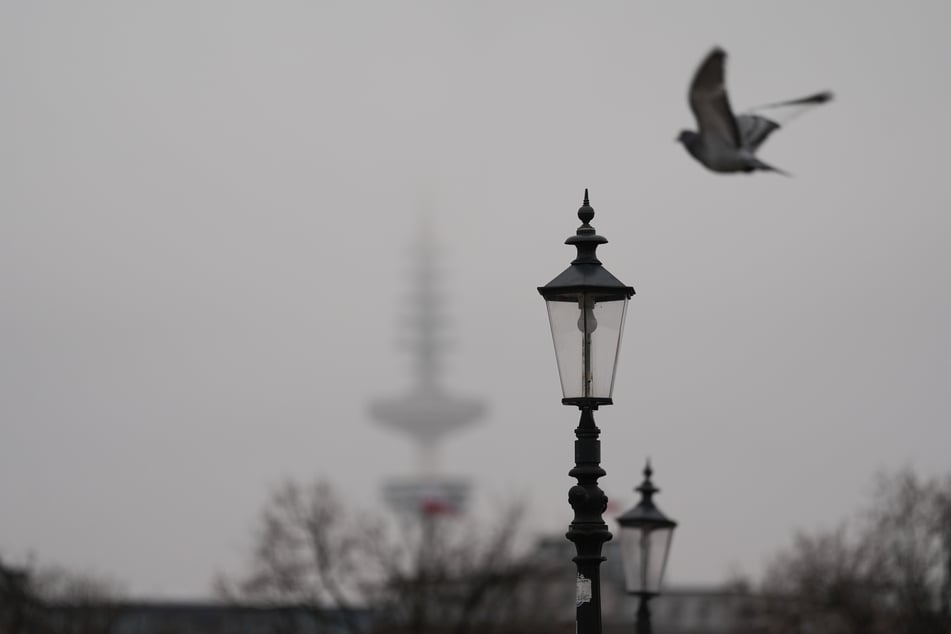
{"points": [[717, 156], [724, 142]]}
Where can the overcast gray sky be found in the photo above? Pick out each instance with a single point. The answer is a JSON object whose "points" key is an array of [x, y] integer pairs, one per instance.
{"points": [[206, 211]]}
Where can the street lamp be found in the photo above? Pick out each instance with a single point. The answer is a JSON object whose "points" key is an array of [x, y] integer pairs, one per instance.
{"points": [[645, 538], [586, 309]]}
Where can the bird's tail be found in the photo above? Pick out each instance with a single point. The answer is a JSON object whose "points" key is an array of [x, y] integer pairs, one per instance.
{"points": [[766, 167], [786, 111]]}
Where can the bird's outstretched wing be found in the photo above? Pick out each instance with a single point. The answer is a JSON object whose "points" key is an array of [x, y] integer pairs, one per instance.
{"points": [[754, 129], [709, 101], [785, 111]]}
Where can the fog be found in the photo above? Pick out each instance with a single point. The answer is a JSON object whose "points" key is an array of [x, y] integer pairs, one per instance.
{"points": [[207, 220]]}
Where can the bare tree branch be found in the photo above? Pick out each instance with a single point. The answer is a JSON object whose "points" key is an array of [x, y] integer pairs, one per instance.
{"points": [[428, 574]]}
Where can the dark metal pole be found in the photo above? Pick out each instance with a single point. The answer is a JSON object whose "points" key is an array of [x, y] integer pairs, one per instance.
{"points": [[589, 283], [643, 616], [588, 530]]}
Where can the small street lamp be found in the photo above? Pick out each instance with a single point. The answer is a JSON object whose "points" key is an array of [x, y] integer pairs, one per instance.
{"points": [[586, 310], [645, 538]]}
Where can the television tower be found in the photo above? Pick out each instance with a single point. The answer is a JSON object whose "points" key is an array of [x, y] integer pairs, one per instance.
{"points": [[428, 412]]}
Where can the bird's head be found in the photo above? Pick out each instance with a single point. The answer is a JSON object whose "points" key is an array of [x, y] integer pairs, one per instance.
{"points": [[687, 137]]}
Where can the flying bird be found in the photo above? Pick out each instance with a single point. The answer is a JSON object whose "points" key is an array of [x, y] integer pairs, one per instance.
{"points": [[726, 142]]}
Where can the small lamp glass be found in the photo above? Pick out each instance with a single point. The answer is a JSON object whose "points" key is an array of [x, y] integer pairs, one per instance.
{"points": [[645, 538]]}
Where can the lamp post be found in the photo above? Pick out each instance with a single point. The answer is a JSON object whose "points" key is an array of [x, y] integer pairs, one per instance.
{"points": [[645, 538], [586, 310]]}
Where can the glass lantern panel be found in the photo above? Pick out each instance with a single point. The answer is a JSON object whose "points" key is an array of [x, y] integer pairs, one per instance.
{"points": [[644, 553], [587, 337]]}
